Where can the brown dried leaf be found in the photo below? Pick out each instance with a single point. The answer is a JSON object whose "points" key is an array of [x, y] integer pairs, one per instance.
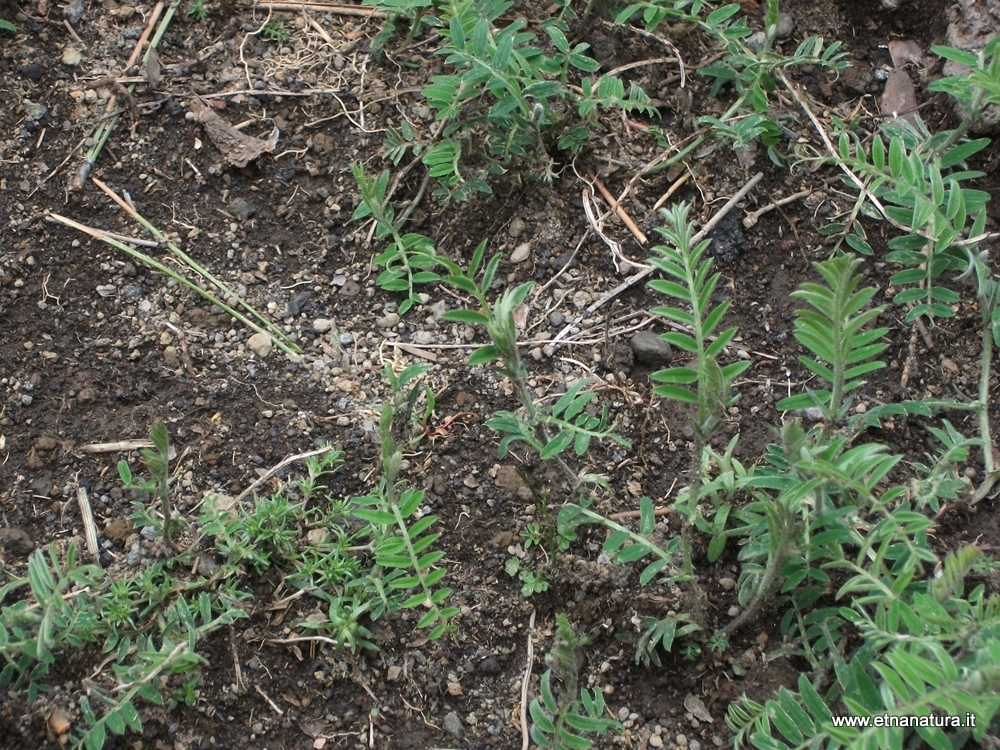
{"points": [[59, 721], [694, 706], [521, 317], [238, 149], [903, 51], [900, 96], [153, 69]]}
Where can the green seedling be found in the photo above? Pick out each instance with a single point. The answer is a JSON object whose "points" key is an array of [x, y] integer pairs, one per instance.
{"points": [[275, 32], [565, 715], [532, 581], [503, 90], [157, 460], [548, 429], [409, 257], [197, 10]]}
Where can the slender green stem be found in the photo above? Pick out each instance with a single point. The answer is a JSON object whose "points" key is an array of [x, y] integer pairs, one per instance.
{"points": [[771, 18], [161, 29], [687, 528]]}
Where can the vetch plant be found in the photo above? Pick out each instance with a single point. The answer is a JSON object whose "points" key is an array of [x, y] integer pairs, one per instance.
{"points": [[506, 94], [834, 330], [157, 460], [565, 714], [409, 256], [548, 429], [401, 542], [706, 384], [919, 183], [749, 67]]}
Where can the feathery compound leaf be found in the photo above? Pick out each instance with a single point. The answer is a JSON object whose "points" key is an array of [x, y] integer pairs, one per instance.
{"points": [[694, 283], [832, 331]]}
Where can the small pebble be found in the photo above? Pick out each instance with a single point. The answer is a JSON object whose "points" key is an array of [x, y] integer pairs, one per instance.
{"points": [[453, 725], [786, 25], [521, 253], [260, 344], [33, 71], [322, 325], [73, 12], [242, 208], [71, 57], [651, 350], [389, 320], [813, 413]]}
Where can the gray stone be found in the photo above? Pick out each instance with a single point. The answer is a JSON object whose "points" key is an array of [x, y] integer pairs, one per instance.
{"points": [[135, 554], [489, 665], [260, 344], [132, 293], [34, 111], [786, 25], [651, 350], [389, 320], [346, 339], [813, 414], [556, 318], [71, 56], [33, 71], [322, 325], [242, 208], [170, 358], [74, 11], [453, 725], [515, 228], [16, 541], [148, 533]]}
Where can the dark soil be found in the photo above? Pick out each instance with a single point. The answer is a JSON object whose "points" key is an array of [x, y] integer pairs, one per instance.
{"points": [[96, 348]]}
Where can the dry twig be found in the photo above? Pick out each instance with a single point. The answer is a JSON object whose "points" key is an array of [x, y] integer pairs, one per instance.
{"points": [[636, 278], [278, 467], [619, 210], [526, 681], [89, 527]]}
